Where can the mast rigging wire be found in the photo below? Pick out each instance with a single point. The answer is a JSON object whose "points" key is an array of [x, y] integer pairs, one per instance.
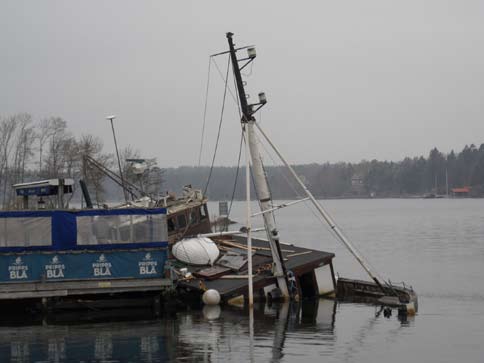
{"points": [[219, 128], [234, 97], [205, 111], [236, 100], [236, 175]]}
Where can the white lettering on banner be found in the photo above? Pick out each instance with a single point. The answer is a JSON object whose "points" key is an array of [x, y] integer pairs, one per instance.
{"points": [[18, 270], [102, 267], [55, 269], [147, 266]]}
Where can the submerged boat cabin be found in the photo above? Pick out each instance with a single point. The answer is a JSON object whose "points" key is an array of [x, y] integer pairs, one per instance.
{"points": [[186, 216]]}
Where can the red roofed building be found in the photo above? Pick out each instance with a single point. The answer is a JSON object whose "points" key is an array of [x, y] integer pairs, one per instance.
{"points": [[461, 192]]}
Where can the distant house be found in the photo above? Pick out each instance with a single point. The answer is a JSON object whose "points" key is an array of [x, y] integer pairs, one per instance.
{"points": [[460, 192], [357, 184]]}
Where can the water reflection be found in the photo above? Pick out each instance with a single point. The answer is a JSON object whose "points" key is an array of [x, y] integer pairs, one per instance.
{"points": [[279, 333]]}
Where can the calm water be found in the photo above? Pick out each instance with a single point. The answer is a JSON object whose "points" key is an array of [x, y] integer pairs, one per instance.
{"points": [[435, 245]]}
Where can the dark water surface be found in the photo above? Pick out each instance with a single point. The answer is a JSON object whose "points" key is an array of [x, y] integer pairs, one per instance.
{"points": [[435, 245]]}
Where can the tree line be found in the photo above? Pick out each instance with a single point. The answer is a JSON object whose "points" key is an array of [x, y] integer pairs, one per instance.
{"points": [[409, 177], [35, 150]]}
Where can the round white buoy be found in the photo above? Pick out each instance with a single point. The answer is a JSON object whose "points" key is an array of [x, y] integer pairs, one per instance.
{"points": [[211, 312], [211, 297]]}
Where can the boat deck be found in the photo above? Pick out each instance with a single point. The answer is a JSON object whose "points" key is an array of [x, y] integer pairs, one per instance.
{"points": [[232, 283]]}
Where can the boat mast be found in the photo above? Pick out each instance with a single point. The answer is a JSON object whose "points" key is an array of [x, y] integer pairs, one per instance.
{"points": [[260, 181]]}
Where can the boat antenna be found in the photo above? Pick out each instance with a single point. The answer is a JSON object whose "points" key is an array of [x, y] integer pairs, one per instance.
{"points": [[261, 186]]}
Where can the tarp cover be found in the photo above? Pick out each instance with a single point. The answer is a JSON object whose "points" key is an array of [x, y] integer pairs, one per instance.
{"points": [[97, 229], [196, 251]]}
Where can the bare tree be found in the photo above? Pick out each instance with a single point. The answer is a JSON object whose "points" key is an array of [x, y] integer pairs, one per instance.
{"points": [[59, 154], [72, 161], [56, 143], [51, 136], [91, 146], [43, 134], [25, 145], [7, 131], [22, 148]]}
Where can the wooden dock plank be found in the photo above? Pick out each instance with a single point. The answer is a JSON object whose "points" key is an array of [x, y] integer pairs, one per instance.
{"points": [[65, 288]]}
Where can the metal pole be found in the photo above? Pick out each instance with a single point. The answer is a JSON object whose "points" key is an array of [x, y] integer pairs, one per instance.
{"points": [[322, 212], [229, 233], [249, 222], [283, 205], [111, 118]]}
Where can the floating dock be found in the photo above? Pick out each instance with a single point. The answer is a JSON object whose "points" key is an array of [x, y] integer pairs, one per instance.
{"points": [[52, 255]]}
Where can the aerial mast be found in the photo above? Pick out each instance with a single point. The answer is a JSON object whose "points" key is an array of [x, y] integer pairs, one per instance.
{"points": [[260, 181]]}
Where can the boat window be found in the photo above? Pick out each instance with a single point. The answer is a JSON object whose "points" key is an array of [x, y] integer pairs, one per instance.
{"points": [[114, 229], [194, 216], [182, 221], [203, 212], [171, 225], [25, 232]]}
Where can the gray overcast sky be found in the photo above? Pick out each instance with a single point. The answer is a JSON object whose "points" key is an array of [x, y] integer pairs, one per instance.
{"points": [[345, 80]]}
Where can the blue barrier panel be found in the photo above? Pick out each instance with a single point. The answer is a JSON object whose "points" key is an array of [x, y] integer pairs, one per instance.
{"points": [[80, 266]]}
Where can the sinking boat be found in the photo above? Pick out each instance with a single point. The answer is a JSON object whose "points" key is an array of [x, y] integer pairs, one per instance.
{"points": [[256, 268]]}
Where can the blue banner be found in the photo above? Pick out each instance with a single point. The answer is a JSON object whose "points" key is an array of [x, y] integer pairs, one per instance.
{"points": [[30, 267]]}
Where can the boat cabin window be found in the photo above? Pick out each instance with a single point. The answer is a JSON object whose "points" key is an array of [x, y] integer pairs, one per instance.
{"points": [[193, 216], [182, 221], [203, 212], [25, 231], [171, 225], [114, 229]]}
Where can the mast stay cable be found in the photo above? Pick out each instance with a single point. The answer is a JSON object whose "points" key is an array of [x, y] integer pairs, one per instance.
{"points": [[310, 208], [219, 130], [205, 111], [323, 213], [236, 175]]}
